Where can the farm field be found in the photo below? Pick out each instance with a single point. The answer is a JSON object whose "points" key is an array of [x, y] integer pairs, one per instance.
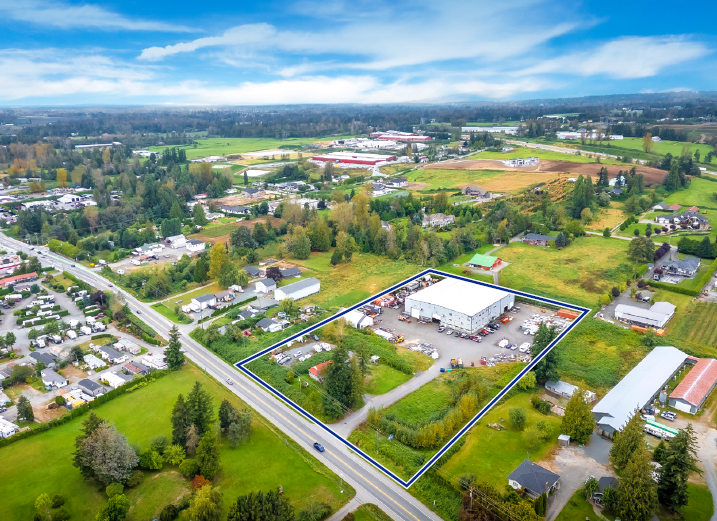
{"points": [[699, 193], [521, 152], [302, 477], [579, 273], [608, 218], [662, 148], [492, 180], [232, 146], [215, 232], [491, 454], [694, 324]]}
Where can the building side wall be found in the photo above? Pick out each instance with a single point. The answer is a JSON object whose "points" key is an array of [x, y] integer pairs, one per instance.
{"points": [[279, 294], [458, 320]]}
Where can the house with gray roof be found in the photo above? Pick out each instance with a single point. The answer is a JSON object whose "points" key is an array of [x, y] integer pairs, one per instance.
{"points": [[537, 239], [686, 267], [269, 325], [253, 272], [475, 191], [533, 479], [48, 359], [290, 273], [261, 305], [111, 355], [87, 386], [51, 379], [236, 210]]}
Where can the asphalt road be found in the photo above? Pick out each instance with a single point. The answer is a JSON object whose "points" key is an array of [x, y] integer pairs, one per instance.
{"points": [[370, 484]]}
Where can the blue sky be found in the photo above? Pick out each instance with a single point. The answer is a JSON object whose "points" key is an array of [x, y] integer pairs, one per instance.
{"points": [[306, 51]]}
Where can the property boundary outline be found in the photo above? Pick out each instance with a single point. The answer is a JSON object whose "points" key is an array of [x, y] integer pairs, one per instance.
{"points": [[479, 415]]}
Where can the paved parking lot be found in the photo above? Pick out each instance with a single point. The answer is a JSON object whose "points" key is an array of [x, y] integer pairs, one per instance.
{"points": [[166, 255], [450, 346]]}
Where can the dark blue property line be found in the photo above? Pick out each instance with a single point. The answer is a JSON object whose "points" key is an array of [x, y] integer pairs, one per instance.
{"points": [[406, 484]]}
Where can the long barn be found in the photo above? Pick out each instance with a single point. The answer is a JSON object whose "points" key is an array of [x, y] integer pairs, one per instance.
{"points": [[460, 305]]}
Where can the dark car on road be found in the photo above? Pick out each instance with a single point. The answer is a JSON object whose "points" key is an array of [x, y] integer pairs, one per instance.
{"points": [[318, 446]]}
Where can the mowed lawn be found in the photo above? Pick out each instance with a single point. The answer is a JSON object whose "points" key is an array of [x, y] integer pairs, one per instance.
{"points": [[662, 148], [43, 463], [699, 193], [579, 273], [350, 282], [229, 146], [491, 454]]}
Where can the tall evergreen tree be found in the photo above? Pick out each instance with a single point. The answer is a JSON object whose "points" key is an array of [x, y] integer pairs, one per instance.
{"points": [[181, 420], [680, 460], [173, 353], [208, 455], [547, 368], [636, 490], [201, 411], [24, 408], [578, 421], [200, 271], [89, 425], [628, 441], [227, 412]]}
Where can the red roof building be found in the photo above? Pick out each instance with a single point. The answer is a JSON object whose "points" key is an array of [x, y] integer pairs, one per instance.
{"points": [[694, 388], [355, 158], [9, 281], [693, 209], [674, 207], [317, 372]]}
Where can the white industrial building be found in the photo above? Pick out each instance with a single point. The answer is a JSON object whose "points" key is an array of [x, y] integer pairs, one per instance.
{"points": [[493, 130], [638, 388], [657, 316], [298, 290], [458, 304], [358, 320]]}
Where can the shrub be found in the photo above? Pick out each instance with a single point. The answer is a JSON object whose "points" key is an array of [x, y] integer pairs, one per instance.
{"points": [[59, 400], [135, 479], [517, 418], [189, 468], [466, 480], [314, 512], [151, 460], [61, 515], [544, 407], [641, 283], [57, 501], [199, 481], [168, 513], [615, 292], [160, 444], [114, 489]]}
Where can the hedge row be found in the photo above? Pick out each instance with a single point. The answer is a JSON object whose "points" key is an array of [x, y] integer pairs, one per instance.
{"points": [[140, 324], [102, 335], [83, 409]]}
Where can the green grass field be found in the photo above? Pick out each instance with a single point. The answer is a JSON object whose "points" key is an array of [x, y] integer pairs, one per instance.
{"points": [[186, 298], [350, 282], [141, 416], [229, 146], [492, 455], [662, 148], [694, 323], [579, 273], [170, 314], [599, 354], [548, 155], [384, 379], [217, 230], [369, 512], [699, 193], [578, 508]]}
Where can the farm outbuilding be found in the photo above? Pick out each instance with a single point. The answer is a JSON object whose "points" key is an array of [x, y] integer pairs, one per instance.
{"points": [[638, 388], [358, 320], [694, 388], [485, 262], [298, 290], [657, 316], [353, 158], [458, 304]]}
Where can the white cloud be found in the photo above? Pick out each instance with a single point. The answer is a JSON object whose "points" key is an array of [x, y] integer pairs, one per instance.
{"points": [[405, 35], [85, 16], [624, 58]]}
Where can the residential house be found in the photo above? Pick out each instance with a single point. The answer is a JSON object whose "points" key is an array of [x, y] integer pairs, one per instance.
{"points": [[261, 305], [603, 483], [265, 285], [236, 210], [386, 226], [93, 362], [686, 267], [566, 390], [89, 387], [204, 301], [537, 239], [397, 182], [133, 367], [117, 379], [7, 428], [269, 325], [51, 379], [246, 315], [616, 191], [154, 361], [254, 272], [225, 296], [253, 193], [381, 189], [311, 204], [317, 372], [533, 479], [176, 241], [112, 355], [127, 345], [687, 219], [475, 191], [437, 220], [194, 245], [290, 273], [48, 359]]}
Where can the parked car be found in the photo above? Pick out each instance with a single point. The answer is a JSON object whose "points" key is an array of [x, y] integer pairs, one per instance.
{"points": [[486, 331], [297, 354], [457, 334], [318, 446], [441, 329], [670, 416], [449, 332]]}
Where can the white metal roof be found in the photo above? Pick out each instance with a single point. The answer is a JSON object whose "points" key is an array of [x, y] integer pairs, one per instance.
{"points": [[460, 296], [639, 385]]}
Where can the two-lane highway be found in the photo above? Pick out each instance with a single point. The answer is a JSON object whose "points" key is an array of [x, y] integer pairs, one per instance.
{"points": [[371, 485]]}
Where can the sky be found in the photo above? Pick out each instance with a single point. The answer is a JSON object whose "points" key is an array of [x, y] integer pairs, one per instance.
{"points": [[64, 53]]}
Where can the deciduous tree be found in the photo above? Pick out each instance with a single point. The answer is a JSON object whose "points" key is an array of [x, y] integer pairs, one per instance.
{"points": [[578, 421]]}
